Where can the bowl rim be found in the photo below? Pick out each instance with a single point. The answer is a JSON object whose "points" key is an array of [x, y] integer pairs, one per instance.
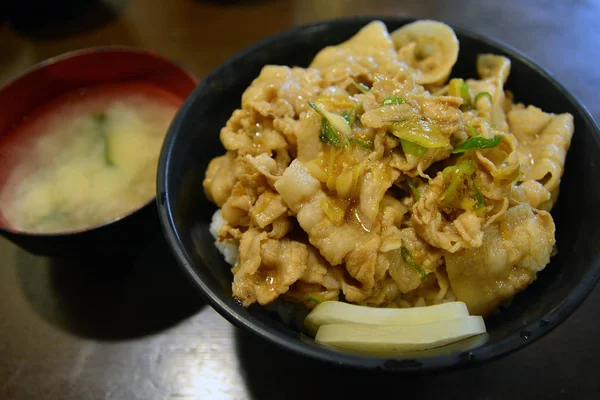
{"points": [[81, 53], [476, 356]]}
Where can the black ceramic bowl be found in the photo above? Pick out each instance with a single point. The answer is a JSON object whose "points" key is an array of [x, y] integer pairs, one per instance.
{"points": [[185, 213]]}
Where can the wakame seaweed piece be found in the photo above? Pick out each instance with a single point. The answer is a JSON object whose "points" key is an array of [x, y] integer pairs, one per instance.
{"points": [[100, 120]]}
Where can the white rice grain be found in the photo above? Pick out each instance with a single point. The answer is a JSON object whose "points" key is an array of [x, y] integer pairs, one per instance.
{"points": [[228, 247]]}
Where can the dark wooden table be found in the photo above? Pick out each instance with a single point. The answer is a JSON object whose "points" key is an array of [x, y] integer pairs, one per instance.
{"points": [[136, 329]]}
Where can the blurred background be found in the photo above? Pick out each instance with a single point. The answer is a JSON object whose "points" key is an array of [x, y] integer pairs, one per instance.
{"points": [[134, 328], [203, 33]]}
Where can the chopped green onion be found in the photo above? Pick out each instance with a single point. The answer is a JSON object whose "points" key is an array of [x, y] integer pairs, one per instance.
{"points": [[100, 120], [458, 172], [52, 216], [480, 95], [464, 92], [412, 148], [337, 122], [317, 109], [392, 100], [355, 111], [333, 211], [458, 88], [99, 117], [472, 130], [324, 136], [478, 142], [421, 132], [334, 128], [311, 298], [406, 257], [362, 144], [413, 188], [478, 195], [107, 157], [329, 135], [360, 86], [465, 167], [350, 116], [346, 115]]}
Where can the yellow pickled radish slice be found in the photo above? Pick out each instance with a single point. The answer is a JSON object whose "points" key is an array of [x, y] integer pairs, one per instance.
{"points": [[400, 337], [336, 312]]}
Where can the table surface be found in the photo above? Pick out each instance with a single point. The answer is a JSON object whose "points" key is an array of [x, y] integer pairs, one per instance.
{"points": [[136, 329]]}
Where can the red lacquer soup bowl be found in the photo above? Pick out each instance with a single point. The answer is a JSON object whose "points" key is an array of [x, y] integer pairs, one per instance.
{"points": [[28, 102]]}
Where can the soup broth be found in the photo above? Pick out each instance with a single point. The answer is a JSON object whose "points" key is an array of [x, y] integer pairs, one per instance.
{"points": [[85, 159]]}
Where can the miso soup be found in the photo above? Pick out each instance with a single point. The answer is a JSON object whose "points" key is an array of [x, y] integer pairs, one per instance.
{"points": [[85, 159]]}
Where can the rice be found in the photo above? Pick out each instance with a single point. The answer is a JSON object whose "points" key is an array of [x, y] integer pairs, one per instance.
{"points": [[228, 247]]}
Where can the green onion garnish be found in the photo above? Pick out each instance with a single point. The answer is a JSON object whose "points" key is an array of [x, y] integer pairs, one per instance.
{"points": [[360, 86], [413, 188], [100, 120], [472, 130], [329, 135], [329, 123], [350, 116], [478, 142], [317, 109], [465, 167], [99, 117], [53, 216], [406, 257], [392, 100], [464, 92], [478, 195], [323, 137], [311, 298], [420, 131], [362, 144], [480, 95], [458, 88], [355, 111], [456, 173], [346, 115], [412, 148]]}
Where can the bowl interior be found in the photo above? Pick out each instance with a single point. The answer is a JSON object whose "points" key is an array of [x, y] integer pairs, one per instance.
{"points": [[185, 213]]}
